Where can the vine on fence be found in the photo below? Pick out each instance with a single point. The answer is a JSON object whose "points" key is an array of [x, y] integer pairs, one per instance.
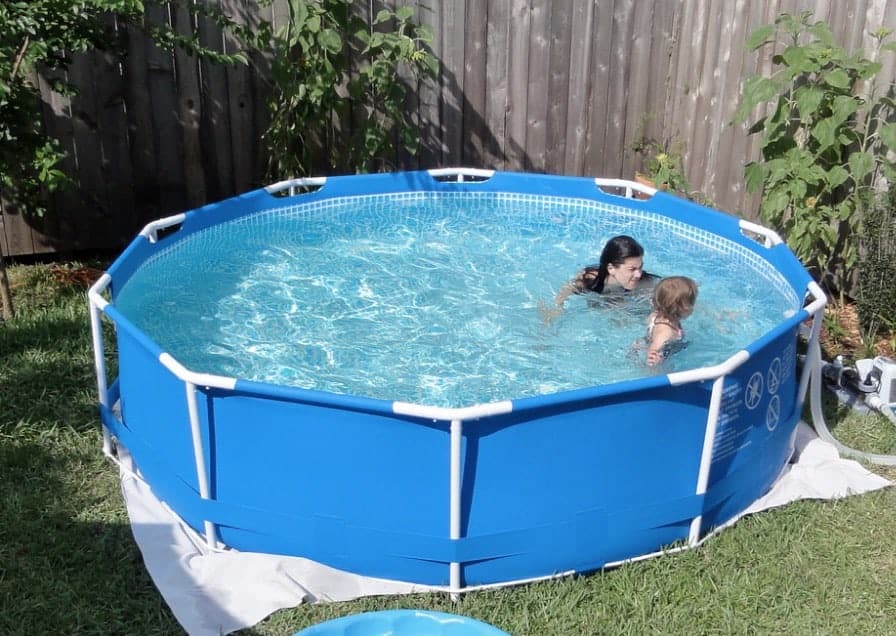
{"points": [[328, 115], [38, 37], [825, 140]]}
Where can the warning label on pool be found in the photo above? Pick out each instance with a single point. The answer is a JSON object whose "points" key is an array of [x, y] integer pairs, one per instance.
{"points": [[744, 404], [732, 428]]}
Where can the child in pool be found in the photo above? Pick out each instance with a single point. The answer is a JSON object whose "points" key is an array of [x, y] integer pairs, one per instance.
{"points": [[673, 301]]}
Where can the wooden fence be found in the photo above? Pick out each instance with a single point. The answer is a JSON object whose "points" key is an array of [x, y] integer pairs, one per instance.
{"points": [[564, 87]]}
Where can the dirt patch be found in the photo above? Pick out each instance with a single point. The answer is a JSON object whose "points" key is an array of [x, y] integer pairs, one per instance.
{"points": [[841, 334], [78, 276]]}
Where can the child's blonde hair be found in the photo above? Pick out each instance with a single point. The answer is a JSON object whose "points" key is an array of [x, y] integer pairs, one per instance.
{"points": [[674, 297]]}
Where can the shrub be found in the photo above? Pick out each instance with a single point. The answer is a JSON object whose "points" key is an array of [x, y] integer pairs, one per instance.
{"points": [[876, 299], [338, 96], [824, 140]]}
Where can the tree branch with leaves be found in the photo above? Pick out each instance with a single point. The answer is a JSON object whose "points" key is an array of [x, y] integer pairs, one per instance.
{"points": [[38, 37]]}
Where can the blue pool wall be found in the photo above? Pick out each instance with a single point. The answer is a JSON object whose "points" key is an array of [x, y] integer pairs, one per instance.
{"points": [[565, 482]]}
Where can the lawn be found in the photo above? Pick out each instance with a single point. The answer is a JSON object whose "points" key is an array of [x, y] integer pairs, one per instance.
{"points": [[69, 564]]}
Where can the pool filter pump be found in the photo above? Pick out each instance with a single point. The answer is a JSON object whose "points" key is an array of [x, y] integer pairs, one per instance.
{"points": [[880, 373]]}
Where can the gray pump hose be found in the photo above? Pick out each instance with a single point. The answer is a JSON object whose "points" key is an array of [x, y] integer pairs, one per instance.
{"points": [[813, 360]]}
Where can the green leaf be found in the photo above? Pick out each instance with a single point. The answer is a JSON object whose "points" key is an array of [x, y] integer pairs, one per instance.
{"points": [[843, 212], [404, 13], [754, 176], [825, 133], [889, 170], [776, 202], [431, 65], [836, 176], [860, 165], [808, 98], [797, 189], [756, 90], [760, 89], [760, 36], [823, 33], [796, 57], [844, 106], [870, 69], [777, 171], [888, 135], [298, 12], [838, 78], [330, 40]]}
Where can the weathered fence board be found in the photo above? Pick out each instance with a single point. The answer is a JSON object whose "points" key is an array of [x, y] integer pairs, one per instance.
{"points": [[569, 86], [452, 71], [429, 107], [579, 95], [557, 90]]}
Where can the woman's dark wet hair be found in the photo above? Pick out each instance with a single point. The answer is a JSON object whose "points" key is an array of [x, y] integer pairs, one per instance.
{"points": [[616, 250]]}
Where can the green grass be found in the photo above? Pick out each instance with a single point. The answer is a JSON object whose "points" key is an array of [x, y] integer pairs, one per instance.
{"points": [[69, 564]]}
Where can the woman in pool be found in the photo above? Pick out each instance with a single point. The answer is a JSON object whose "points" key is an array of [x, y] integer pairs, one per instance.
{"points": [[619, 271]]}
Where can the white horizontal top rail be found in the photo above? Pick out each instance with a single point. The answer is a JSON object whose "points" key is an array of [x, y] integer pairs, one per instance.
{"points": [[151, 229], [769, 236], [448, 414], [630, 187], [199, 379], [460, 173], [293, 185]]}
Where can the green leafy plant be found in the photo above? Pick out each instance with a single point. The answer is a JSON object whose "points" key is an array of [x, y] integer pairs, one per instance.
{"points": [[663, 163], [876, 298], [38, 38], [833, 327], [825, 139], [338, 96]]}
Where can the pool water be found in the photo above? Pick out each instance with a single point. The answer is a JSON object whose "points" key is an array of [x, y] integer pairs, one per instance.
{"points": [[433, 298]]}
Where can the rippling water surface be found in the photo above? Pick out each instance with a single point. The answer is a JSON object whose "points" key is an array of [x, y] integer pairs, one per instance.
{"points": [[432, 301]]}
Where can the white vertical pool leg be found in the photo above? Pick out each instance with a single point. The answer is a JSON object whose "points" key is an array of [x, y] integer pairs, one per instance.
{"points": [[709, 440], [199, 456], [811, 362], [454, 582], [99, 364]]}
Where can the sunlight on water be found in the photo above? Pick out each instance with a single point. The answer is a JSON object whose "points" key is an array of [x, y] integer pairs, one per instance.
{"points": [[435, 304]]}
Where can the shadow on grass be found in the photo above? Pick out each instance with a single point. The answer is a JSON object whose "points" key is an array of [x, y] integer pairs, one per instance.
{"points": [[69, 562], [46, 371]]}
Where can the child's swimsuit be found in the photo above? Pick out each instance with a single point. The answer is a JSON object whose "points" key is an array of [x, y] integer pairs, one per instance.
{"points": [[673, 345]]}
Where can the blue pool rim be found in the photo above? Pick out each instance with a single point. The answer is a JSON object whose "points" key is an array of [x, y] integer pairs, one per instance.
{"points": [[403, 622], [470, 497]]}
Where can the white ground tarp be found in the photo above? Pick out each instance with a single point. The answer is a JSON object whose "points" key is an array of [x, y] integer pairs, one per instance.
{"points": [[218, 592]]}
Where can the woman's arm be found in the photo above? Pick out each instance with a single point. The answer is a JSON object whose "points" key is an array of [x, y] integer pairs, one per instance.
{"points": [[549, 314], [572, 287], [583, 281]]}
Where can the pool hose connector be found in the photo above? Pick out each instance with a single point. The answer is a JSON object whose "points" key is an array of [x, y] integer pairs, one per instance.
{"points": [[872, 383]]}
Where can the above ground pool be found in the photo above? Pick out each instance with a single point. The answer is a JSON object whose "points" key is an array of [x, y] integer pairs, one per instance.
{"points": [[354, 370]]}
